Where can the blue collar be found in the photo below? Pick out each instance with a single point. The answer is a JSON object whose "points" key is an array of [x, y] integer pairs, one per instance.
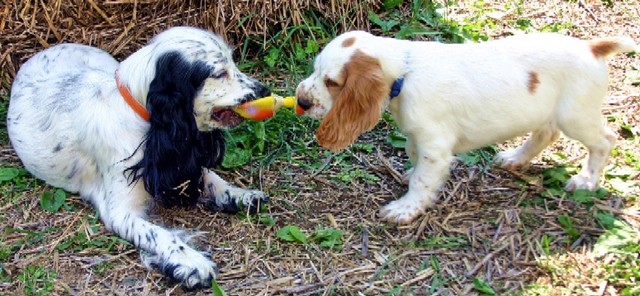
{"points": [[396, 87]]}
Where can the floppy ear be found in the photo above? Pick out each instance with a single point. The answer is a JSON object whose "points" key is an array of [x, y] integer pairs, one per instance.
{"points": [[174, 149], [359, 105]]}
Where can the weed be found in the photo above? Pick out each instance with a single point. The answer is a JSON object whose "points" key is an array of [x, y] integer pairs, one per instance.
{"points": [[52, 202], [569, 227], [37, 280], [216, 290], [443, 242], [483, 288], [328, 237], [292, 233], [482, 157]]}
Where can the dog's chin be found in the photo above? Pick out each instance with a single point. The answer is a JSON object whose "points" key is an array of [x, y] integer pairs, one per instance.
{"points": [[225, 117], [316, 112]]}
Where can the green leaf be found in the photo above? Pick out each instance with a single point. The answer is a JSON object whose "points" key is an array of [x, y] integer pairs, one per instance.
{"points": [[7, 174], [390, 4], [312, 47], [216, 290], [482, 287], [582, 196], [397, 140], [617, 235], [266, 220], [567, 223], [292, 233], [51, 202]]}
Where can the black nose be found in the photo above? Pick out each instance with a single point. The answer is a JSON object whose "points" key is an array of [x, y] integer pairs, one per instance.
{"points": [[261, 91], [304, 104]]}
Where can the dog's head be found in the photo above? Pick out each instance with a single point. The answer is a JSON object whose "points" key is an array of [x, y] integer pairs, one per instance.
{"points": [[188, 82], [347, 89], [188, 68]]}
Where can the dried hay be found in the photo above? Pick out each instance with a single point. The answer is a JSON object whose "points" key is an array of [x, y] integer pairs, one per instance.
{"points": [[122, 26]]}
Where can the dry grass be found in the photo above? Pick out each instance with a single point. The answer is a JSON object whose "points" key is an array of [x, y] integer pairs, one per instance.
{"points": [[490, 224]]}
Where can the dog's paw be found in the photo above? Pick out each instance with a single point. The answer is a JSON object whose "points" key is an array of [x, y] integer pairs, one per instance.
{"points": [[185, 265], [251, 200], [511, 160], [234, 199], [402, 211], [581, 182]]}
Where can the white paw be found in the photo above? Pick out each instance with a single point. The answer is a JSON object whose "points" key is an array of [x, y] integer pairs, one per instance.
{"points": [[510, 160], [183, 264], [581, 182], [407, 176], [403, 211]]}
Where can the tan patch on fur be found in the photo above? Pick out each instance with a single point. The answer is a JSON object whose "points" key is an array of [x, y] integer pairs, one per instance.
{"points": [[348, 42], [602, 47], [358, 105], [532, 85]]}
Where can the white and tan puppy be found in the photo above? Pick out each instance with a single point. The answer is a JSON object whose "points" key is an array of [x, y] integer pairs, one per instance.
{"points": [[450, 98]]}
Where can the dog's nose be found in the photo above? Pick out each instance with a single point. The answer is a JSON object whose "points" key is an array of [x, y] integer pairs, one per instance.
{"points": [[304, 103]]}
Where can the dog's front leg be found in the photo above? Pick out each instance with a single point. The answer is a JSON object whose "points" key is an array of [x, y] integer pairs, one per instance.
{"points": [[122, 209], [221, 196], [431, 159]]}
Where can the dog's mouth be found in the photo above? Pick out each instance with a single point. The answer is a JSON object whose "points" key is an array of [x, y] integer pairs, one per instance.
{"points": [[226, 117]]}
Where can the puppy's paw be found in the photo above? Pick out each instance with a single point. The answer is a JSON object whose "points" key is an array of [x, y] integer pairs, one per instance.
{"points": [[511, 160], [234, 199], [402, 211], [581, 182], [185, 265], [406, 177]]}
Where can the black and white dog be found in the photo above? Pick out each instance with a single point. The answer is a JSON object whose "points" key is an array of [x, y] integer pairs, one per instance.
{"points": [[125, 134]]}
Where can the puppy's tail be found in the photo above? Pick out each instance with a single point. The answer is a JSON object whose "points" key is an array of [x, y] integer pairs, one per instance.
{"points": [[604, 47]]}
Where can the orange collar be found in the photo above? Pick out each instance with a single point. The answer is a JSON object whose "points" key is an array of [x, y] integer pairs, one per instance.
{"points": [[135, 105]]}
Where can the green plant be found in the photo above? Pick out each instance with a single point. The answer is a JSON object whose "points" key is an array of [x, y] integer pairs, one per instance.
{"points": [[483, 288], [216, 289], [37, 280], [569, 227], [51, 202], [292, 233], [328, 237], [423, 19]]}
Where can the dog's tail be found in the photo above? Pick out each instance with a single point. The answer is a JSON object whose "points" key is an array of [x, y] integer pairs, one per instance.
{"points": [[604, 47]]}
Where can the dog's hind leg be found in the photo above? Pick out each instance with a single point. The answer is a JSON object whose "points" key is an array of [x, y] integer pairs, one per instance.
{"points": [[122, 210], [221, 196], [521, 156], [599, 140]]}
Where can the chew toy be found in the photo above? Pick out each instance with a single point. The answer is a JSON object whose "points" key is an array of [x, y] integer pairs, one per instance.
{"points": [[266, 107]]}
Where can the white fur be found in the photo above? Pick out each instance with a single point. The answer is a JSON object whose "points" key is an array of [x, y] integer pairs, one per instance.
{"points": [[71, 127], [458, 97]]}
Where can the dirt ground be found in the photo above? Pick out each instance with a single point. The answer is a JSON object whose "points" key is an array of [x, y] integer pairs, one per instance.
{"points": [[488, 225]]}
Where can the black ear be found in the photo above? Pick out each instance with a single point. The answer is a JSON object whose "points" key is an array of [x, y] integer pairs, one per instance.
{"points": [[175, 151]]}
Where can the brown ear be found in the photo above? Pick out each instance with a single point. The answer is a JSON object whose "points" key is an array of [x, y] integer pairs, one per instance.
{"points": [[359, 105]]}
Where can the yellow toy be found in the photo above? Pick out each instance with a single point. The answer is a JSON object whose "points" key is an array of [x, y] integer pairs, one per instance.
{"points": [[266, 107]]}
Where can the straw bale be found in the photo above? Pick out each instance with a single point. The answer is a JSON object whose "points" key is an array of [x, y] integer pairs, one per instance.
{"points": [[122, 26]]}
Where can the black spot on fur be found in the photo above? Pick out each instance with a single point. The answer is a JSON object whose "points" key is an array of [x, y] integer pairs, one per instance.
{"points": [[175, 151], [57, 148]]}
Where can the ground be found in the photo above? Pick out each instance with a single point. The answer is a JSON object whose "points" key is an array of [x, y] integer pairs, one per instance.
{"points": [[492, 231]]}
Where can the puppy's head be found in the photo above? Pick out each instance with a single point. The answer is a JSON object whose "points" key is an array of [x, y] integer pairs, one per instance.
{"points": [[347, 90]]}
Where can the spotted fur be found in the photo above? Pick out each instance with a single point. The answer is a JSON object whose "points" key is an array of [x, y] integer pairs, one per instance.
{"points": [[70, 126]]}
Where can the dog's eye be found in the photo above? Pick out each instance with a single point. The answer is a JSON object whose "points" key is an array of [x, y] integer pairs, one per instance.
{"points": [[219, 75], [330, 83]]}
